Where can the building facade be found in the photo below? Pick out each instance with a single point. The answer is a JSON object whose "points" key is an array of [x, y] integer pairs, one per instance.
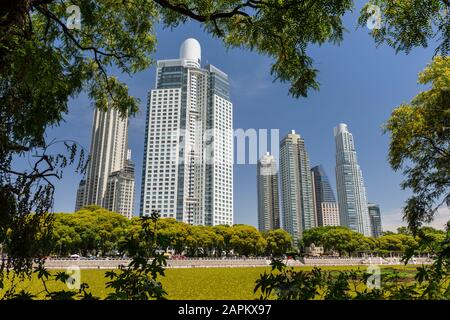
{"points": [[350, 184], [120, 191], [296, 186], [325, 205], [108, 155], [268, 194], [375, 219], [79, 202], [330, 214], [188, 150]]}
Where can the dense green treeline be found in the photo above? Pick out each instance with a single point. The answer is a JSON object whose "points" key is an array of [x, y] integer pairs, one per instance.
{"points": [[346, 242], [96, 231]]}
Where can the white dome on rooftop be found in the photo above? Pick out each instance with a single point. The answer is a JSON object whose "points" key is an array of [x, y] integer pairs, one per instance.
{"points": [[190, 49], [341, 127]]}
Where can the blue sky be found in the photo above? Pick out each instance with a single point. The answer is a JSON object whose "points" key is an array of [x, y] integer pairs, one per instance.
{"points": [[360, 85]]}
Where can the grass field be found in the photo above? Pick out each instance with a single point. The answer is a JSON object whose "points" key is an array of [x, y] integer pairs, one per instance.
{"points": [[200, 283]]}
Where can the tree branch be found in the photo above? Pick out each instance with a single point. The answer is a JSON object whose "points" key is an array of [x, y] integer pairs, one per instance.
{"points": [[184, 10], [67, 32], [442, 152]]}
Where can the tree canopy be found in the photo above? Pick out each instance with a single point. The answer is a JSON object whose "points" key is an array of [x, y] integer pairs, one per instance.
{"points": [[420, 144], [408, 24], [96, 231], [347, 242]]}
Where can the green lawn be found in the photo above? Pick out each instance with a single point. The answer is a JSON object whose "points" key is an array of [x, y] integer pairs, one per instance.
{"points": [[199, 283]]}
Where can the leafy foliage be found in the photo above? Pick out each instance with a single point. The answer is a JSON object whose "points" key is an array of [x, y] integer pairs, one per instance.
{"points": [[436, 277], [96, 231], [278, 241], [282, 30], [431, 281], [45, 277], [92, 230], [408, 24], [42, 65], [339, 239], [285, 283], [138, 280], [348, 242], [420, 144]]}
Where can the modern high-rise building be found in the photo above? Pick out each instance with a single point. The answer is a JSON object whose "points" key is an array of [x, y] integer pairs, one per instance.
{"points": [[351, 191], [79, 202], [108, 154], [120, 190], [296, 186], [188, 153], [375, 219], [268, 194], [330, 214], [326, 207]]}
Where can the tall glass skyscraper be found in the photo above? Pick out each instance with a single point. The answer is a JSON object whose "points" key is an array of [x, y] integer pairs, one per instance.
{"points": [[324, 192], [188, 155], [351, 191], [375, 219], [296, 186], [327, 211], [268, 194]]}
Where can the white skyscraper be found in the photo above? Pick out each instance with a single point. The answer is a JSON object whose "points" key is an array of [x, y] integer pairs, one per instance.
{"points": [[268, 194], [108, 154], [350, 184], [188, 155], [120, 188], [296, 186]]}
